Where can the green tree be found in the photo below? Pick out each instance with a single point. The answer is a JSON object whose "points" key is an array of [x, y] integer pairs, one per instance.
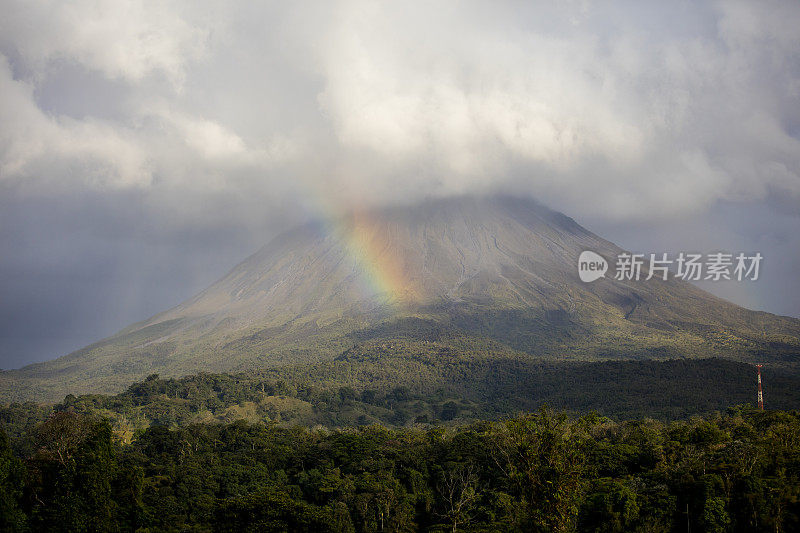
{"points": [[275, 510], [72, 472], [12, 476], [543, 458]]}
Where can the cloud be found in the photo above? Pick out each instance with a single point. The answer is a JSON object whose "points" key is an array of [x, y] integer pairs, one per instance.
{"points": [[470, 91], [589, 109], [34, 143], [127, 39], [627, 111]]}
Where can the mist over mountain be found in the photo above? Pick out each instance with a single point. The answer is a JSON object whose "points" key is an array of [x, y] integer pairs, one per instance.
{"points": [[489, 275]]}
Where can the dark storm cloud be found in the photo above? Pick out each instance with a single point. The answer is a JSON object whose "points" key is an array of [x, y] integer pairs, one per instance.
{"points": [[146, 147], [78, 268]]}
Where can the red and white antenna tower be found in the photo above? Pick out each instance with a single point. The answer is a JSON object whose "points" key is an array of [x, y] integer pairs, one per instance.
{"points": [[760, 393]]}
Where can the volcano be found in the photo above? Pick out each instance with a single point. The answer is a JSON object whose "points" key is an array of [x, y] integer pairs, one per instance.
{"points": [[489, 275]]}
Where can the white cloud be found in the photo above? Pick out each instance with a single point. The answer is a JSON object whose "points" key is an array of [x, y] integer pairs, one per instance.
{"points": [[206, 137], [585, 101], [618, 112], [32, 143], [127, 39], [469, 92]]}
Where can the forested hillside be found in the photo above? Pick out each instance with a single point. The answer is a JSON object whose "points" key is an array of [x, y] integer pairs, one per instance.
{"points": [[343, 446], [402, 392]]}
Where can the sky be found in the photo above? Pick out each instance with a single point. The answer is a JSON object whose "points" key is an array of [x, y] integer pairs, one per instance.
{"points": [[148, 147]]}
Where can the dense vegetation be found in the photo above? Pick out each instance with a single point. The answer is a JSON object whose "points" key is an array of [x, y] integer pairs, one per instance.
{"points": [[536, 472], [359, 390], [412, 444]]}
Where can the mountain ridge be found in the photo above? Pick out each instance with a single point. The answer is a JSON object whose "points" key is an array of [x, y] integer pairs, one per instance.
{"points": [[494, 273]]}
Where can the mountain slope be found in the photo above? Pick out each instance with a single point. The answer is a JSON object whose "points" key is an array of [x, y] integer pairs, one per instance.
{"points": [[489, 276]]}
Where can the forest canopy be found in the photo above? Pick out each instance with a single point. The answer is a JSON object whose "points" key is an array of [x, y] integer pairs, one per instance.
{"points": [[542, 471]]}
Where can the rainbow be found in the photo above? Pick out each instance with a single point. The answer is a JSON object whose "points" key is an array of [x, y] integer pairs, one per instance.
{"points": [[383, 266], [383, 273]]}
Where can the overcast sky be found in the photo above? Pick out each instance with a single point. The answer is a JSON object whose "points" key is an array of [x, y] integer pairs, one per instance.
{"points": [[146, 148]]}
